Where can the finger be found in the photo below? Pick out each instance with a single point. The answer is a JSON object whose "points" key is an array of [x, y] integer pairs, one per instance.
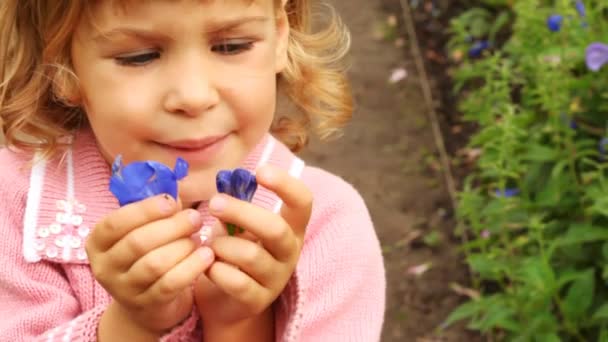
{"points": [[149, 237], [240, 286], [141, 241], [271, 229], [181, 276], [248, 256], [155, 264], [296, 197], [220, 229], [122, 221]]}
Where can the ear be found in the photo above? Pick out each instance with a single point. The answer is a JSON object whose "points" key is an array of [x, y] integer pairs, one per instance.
{"points": [[282, 30]]}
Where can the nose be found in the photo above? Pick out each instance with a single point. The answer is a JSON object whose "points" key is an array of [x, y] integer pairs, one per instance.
{"points": [[191, 89]]}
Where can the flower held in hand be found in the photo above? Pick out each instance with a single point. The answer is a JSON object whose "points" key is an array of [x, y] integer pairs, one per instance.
{"points": [[238, 183], [140, 180]]}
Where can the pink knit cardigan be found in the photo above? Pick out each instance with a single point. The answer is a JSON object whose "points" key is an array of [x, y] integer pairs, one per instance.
{"points": [[48, 293]]}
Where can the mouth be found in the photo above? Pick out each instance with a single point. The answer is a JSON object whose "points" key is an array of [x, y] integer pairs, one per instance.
{"points": [[194, 144], [197, 151]]}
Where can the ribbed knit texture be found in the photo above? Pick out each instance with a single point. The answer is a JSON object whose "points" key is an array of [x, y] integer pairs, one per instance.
{"points": [[336, 294]]}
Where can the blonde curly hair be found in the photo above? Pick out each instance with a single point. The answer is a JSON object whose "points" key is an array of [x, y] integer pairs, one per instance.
{"points": [[39, 104]]}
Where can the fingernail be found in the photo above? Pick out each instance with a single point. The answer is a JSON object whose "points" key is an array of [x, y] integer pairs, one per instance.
{"points": [[165, 203], [217, 204], [205, 253], [195, 218]]}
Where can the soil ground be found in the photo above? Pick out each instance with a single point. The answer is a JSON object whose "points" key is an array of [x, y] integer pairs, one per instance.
{"points": [[387, 152]]}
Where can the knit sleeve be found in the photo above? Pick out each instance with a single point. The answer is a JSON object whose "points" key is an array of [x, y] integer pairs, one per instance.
{"points": [[37, 305], [338, 291], [36, 300]]}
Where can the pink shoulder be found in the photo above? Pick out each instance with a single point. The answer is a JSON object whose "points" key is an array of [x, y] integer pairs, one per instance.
{"points": [[15, 170], [335, 203]]}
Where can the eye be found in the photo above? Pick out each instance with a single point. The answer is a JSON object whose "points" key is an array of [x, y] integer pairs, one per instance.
{"points": [[232, 47], [140, 59]]}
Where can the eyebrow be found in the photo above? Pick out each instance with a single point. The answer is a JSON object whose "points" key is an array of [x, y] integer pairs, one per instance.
{"points": [[210, 27]]}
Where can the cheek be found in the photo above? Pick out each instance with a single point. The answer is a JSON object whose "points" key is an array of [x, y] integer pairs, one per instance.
{"points": [[112, 102], [253, 99]]}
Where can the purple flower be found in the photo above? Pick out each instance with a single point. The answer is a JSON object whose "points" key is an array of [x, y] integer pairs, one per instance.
{"points": [[239, 183], [570, 122], [478, 48], [507, 192], [554, 22], [596, 55], [602, 147], [140, 180], [485, 234], [580, 8]]}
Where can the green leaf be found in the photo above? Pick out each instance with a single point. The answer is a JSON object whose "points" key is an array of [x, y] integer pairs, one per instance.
{"points": [[539, 323], [465, 310], [581, 233], [548, 337], [540, 153], [497, 317], [601, 314], [487, 267], [538, 275], [603, 335], [502, 20], [580, 296]]}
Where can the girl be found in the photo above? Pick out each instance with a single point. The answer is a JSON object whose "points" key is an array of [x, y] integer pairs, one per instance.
{"points": [[84, 81]]}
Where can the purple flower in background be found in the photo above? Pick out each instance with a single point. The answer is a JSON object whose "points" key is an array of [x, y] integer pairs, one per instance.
{"points": [[596, 55], [580, 8], [570, 122], [507, 192], [239, 183], [140, 180], [485, 234], [554, 22], [478, 48], [602, 147]]}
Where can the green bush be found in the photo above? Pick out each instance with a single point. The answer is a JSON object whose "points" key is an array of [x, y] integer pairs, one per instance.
{"points": [[536, 206]]}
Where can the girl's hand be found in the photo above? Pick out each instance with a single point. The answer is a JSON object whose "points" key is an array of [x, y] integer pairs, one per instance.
{"points": [[142, 254], [253, 268]]}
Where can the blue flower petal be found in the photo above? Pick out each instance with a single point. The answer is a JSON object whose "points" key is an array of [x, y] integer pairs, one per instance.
{"points": [[161, 186], [117, 165], [580, 8], [136, 174], [554, 22], [478, 48], [140, 180], [121, 191], [243, 184], [239, 183], [181, 168], [602, 145], [222, 181], [507, 192], [250, 191]]}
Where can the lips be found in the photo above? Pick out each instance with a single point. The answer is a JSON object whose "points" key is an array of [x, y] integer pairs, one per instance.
{"points": [[195, 144]]}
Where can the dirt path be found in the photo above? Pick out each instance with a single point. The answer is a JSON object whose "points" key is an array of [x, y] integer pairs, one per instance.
{"points": [[388, 154]]}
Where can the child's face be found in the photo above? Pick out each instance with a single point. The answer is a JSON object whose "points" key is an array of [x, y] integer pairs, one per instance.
{"points": [[194, 79]]}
